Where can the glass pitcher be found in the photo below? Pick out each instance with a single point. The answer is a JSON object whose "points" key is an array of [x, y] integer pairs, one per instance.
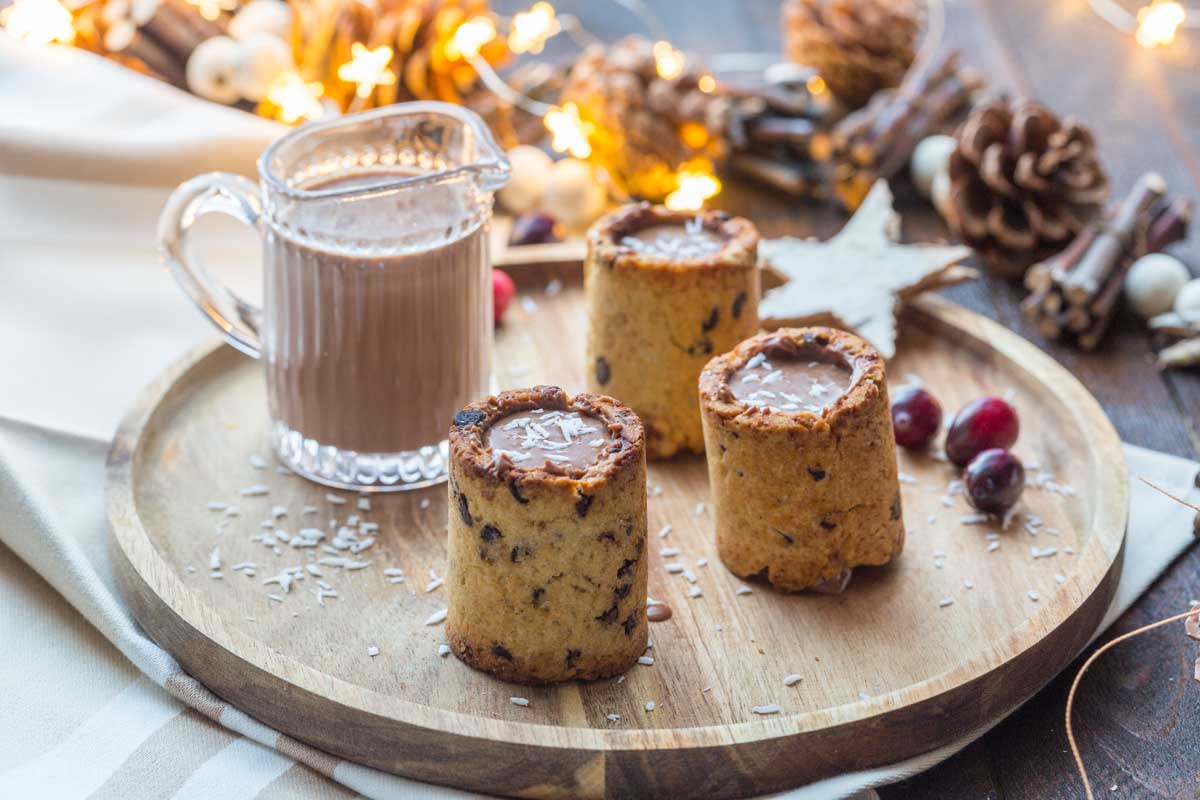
{"points": [[376, 324]]}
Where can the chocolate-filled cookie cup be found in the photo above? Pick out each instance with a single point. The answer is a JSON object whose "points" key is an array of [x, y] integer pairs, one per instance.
{"points": [[547, 536], [801, 458], [665, 290]]}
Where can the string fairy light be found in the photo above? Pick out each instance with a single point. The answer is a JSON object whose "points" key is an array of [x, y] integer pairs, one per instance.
{"points": [[1155, 24], [212, 9], [531, 29], [569, 133], [38, 22], [469, 38], [668, 61], [696, 185], [368, 68], [295, 99]]}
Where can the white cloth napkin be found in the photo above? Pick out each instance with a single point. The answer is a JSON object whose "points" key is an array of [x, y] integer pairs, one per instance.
{"points": [[87, 317], [67, 113]]}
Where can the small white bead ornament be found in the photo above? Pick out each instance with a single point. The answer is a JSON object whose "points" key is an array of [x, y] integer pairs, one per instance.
{"points": [[1187, 302], [574, 196], [527, 184], [212, 69], [264, 57], [930, 157], [262, 16], [1153, 282]]}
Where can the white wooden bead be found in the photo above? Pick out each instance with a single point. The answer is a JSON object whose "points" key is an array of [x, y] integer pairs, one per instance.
{"points": [[262, 16], [574, 196], [931, 156], [527, 184], [1153, 282], [212, 69], [1187, 301], [940, 193], [264, 58]]}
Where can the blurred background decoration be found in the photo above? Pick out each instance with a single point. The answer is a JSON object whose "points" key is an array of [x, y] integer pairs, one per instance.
{"points": [[859, 87]]}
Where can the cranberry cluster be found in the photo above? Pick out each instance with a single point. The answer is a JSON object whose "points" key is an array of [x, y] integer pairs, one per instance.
{"points": [[978, 439]]}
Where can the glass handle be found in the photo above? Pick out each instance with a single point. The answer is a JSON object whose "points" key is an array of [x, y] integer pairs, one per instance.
{"points": [[220, 193]]}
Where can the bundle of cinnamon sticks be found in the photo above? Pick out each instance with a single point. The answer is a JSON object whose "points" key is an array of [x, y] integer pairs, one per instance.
{"points": [[1076, 292], [151, 36], [878, 140]]}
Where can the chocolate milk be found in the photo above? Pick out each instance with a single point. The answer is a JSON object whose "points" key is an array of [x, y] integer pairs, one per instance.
{"points": [[372, 343]]}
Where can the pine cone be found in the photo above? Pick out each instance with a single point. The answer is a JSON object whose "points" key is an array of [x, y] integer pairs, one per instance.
{"points": [[647, 126], [1022, 183], [857, 46], [416, 30]]}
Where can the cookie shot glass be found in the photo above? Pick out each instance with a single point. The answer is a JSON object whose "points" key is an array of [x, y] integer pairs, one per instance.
{"points": [[801, 458], [665, 290], [547, 536]]}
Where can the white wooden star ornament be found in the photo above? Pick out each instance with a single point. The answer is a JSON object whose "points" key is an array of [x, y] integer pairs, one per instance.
{"points": [[856, 280]]}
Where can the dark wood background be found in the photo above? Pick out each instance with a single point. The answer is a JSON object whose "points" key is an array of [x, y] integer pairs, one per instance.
{"points": [[1139, 716]]}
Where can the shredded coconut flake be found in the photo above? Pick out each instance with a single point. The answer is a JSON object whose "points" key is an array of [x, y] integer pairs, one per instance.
{"points": [[372, 651], [792, 680], [769, 708], [523, 702], [436, 617]]}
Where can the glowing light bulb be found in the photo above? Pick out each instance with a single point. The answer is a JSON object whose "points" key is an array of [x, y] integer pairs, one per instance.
{"points": [[1159, 22], [568, 132], [211, 9], [531, 29], [816, 86], [296, 99], [38, 22], [706, 84], [694, 187], [667, 60], [367, 67], [470, 37]]}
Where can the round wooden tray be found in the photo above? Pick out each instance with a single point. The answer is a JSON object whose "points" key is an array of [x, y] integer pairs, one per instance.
{"points": [[888, 671]]}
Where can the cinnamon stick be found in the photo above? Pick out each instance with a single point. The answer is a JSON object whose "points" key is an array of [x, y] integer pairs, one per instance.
{"points": [[1100, 259]]}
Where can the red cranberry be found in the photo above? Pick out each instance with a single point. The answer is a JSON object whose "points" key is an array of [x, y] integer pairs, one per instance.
{"points": [[916, 417], [535, 227], [994, 481], [981, 425], [503, 292]]}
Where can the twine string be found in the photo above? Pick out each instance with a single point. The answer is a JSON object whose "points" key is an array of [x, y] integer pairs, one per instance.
{"points": [[1195, 612]]}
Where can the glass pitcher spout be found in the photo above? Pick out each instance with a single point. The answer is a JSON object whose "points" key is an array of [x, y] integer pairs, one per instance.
{"points": [[432, 141], [408, 176]]}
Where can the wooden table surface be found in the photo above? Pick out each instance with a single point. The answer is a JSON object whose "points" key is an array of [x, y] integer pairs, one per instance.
{"points": [[1138, 719]]}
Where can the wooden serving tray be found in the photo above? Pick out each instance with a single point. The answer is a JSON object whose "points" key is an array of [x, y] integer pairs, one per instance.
{"points": [[887, 671]]}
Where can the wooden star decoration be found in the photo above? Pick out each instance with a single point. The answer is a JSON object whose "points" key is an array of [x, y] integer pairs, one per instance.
{"points": [[856, 280]]}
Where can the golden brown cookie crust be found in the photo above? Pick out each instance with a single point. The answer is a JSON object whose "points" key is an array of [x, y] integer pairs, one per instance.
{"points": [[547, 577], [801, 497], [653, 322], [605, 235]]}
